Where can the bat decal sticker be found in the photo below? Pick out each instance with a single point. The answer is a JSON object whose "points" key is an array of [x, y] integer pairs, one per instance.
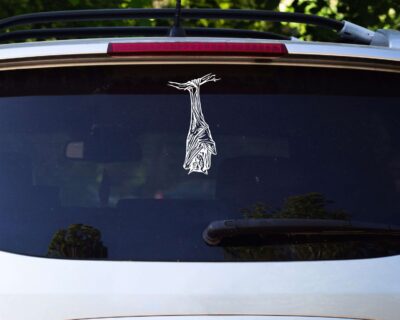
{"points": [[199, 142]]}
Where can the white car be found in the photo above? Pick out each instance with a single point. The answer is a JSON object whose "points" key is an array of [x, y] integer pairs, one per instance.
{"points": [[126, 191]]}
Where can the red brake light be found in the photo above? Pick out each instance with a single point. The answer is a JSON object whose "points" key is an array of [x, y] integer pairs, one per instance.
{"points": [[197, 48]]}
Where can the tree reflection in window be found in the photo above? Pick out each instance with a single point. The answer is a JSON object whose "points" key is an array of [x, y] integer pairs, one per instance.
{"points": [[78, 241], [312, 205]]}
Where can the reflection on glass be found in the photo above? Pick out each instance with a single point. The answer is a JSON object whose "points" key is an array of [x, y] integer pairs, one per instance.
{"points": [[312, 205], [103, 147], [77, 241]]}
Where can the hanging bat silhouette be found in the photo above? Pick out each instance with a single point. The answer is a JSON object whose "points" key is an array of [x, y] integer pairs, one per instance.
{"points": [[199, 142]]}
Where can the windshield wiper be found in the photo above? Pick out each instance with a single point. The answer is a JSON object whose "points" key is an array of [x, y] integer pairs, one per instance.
{"points": [[283, 231]]}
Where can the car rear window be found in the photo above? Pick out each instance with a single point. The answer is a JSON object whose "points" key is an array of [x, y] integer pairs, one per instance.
{"points": [[134, 162]]}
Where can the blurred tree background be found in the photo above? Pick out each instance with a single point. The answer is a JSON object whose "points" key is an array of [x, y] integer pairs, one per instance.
{"points": [[369, 13]]}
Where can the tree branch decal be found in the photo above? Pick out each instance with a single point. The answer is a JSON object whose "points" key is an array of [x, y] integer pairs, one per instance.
{"points": [[199, 142]]}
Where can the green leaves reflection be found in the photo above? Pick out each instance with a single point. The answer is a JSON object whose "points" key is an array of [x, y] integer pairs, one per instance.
{"points": [[77, 241], [312, 205]]}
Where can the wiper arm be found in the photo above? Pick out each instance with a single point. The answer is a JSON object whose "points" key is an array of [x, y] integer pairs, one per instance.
{"points": [[281, 231]]}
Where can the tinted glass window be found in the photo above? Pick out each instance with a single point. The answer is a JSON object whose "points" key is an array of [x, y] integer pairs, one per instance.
{"points": [[112, 163]]}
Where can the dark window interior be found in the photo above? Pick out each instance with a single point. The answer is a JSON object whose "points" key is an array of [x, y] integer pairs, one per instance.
{"points": [[291, 143]]}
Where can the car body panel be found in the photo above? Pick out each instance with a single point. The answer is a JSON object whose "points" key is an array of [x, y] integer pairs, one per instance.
{"points": [[99, 46], [52, 289], [231, 317]]}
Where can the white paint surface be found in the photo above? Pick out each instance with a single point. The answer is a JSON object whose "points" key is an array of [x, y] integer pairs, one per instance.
{"points": [[99, 46], [231, 318], [46, 289]]}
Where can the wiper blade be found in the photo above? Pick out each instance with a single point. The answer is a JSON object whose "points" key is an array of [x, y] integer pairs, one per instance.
{"points": [[282, 231]]}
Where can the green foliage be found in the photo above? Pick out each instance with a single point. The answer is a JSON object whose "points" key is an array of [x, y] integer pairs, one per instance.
{"points": [[307, 206], [369, 13], [312, 205], [77, 241], [14, 7]]}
